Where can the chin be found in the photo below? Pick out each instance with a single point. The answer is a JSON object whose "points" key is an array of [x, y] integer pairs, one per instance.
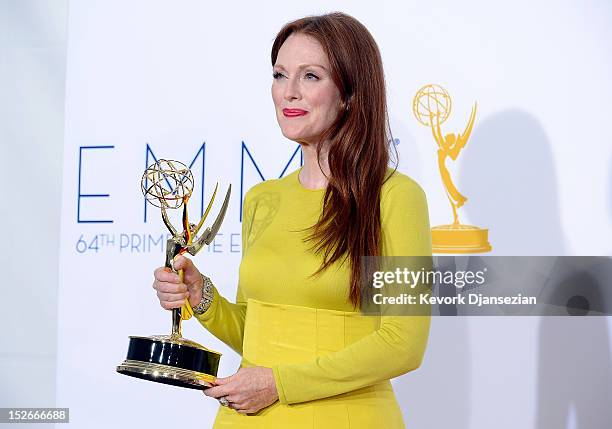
{"points": [[293, 135]]}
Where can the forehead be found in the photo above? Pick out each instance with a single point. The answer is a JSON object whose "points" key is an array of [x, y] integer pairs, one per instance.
{"points": [[301, 49]]}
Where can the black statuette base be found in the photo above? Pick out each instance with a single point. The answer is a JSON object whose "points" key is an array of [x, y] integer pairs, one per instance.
{"points": [[171, 360]]}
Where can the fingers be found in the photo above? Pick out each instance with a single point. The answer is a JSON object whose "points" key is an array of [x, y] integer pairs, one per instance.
{"points": [[175, 298], [183, 263], [241, 408], [227, 387], [169, 305], [219, 391], [170, 301], [232, 392], [168, 282], [165, 274], [170, 291], [169, 287], [191, 272], [236, 402], [222, 380], [171, 297]]}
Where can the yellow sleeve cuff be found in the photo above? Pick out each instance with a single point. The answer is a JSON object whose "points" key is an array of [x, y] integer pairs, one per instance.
{"points": [[282, 398]]}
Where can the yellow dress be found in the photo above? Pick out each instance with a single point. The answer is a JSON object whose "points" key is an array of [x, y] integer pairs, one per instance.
{"points": [[331, 364]]}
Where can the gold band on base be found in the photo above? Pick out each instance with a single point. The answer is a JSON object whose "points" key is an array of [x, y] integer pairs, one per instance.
{"points": [[459, 239], [166, 374]]}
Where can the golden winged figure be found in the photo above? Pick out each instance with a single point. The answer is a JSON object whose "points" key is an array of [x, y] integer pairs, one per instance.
{"points": [[450, 146]]}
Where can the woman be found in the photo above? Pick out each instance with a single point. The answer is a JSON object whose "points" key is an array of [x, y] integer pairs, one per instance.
{"points": [[309, 357]]}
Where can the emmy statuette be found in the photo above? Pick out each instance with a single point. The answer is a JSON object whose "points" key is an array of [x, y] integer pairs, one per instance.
{"points": [[172, 359], [431, 107]]}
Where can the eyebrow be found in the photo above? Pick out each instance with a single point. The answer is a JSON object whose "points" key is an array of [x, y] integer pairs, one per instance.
{"points": [[301, 66]]}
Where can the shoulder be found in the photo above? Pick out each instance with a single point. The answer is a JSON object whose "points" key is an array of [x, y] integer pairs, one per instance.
{"points": [[270, 185], [400, 186], [404, 217], [271, 188], [259, 189], [402, 200]]}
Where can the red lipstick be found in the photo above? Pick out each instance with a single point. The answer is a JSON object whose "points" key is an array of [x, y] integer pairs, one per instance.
{"points": [[292, 113]]}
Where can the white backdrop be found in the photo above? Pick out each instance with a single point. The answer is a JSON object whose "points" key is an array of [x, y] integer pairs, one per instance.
{"points": [[191, 81]]}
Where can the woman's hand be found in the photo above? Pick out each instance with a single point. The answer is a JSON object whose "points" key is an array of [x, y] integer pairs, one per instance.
{"points": [[170, 291], [247, 391]]}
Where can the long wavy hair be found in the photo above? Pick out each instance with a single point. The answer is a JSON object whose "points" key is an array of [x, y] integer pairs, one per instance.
{"points": [[358, 154]]}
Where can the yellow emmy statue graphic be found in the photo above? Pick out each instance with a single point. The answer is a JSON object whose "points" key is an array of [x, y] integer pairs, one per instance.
{"points": [[432, 106]]}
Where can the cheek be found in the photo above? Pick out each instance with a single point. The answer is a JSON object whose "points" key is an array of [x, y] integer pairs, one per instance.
{"points": [[277, 96], [328, 101], [329, 110], [334, 109]]}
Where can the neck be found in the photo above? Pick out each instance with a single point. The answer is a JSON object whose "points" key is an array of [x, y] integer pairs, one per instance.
{"points": [[313, 175]]}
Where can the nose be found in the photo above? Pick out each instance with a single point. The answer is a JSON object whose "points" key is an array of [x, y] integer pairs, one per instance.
{"points": [[292, 90]]}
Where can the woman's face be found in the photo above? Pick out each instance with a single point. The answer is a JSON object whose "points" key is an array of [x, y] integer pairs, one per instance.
{"points": [[306, 98]]}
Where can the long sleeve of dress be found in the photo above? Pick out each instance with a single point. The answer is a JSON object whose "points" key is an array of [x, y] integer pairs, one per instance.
{"points": [[399, 344], [224, 319]]}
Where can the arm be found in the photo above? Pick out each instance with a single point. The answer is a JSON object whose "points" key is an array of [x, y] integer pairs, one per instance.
{"points": [[223, 319], [437, 132], [399, 344]]}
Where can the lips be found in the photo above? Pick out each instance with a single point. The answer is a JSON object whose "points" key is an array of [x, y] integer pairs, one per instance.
{"points": [[292, 113]]}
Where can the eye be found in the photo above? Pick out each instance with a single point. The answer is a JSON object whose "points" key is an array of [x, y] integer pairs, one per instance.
{"points": [[276, 75], [311, 76]]}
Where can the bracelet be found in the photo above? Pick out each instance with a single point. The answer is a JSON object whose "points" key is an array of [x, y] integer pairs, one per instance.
{"points": [[207, 297]]}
